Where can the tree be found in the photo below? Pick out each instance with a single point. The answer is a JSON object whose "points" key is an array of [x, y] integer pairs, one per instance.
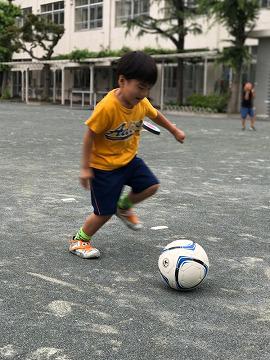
{"points": [[175, 22], [238, 17], [38, 33], [8, 32]]}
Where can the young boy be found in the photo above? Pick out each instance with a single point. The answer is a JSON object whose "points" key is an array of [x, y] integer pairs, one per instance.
{"points": [[248, 94], [109, 153]]}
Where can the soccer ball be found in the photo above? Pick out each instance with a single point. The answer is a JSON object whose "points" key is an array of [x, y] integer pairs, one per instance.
{"points": [[183, 264]]}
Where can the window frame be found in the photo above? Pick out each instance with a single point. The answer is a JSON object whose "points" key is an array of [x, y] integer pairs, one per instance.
{"points": [[131, 4], [89, 8], [54, 12], [265, 6]]}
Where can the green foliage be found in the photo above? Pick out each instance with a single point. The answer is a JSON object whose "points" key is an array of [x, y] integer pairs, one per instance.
{"points": [[6, 94], [80, 54], [176, 19], [239, 18], [234, 56], [214, 102], [38, 32], [8, 30]]}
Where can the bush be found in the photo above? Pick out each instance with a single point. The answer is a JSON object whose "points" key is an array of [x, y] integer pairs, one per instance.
{"points": [[80, 54], [6, 94], [214, 102]]}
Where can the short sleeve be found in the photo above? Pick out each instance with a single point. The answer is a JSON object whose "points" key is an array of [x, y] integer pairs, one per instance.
{"points": [[99, 121], [151, 112]]}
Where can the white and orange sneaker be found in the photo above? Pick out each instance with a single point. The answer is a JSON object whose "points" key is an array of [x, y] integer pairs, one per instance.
{"points": [[129, 217], [83, 249]]}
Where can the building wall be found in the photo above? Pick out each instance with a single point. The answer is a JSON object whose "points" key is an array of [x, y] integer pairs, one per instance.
{"points": [[262, 100], [112, 37]]}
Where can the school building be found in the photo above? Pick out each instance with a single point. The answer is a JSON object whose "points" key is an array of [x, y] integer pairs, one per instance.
{"points": [[99, 24]]}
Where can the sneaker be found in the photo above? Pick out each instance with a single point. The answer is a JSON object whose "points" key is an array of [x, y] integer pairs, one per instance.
{"points": [[243, 128], [252, 128], [83, 249], [130, 218]]}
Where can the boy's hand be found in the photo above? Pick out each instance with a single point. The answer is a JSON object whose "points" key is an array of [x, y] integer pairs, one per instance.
{"points": [[86, 175], [179, 135]]}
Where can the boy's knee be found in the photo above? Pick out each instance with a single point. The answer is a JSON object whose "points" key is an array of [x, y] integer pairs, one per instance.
{"points": [[154, 188]]}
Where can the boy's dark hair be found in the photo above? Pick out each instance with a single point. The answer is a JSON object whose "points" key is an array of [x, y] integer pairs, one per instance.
{"points": [[137, 65]]}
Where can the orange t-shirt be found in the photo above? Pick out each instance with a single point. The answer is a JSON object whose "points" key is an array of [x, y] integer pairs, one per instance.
{"points": [[117, 130]]}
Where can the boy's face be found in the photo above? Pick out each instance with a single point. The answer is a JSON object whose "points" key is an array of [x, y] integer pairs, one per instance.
{"points": [[133, 91]]}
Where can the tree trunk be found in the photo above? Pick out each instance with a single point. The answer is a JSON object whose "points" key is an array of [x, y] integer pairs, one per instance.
{"points": [[180, 80], [233, 105], [46, 89], [4, 85]]}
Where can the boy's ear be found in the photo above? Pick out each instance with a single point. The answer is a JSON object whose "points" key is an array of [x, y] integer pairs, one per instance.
{"points": [[121, 80]]}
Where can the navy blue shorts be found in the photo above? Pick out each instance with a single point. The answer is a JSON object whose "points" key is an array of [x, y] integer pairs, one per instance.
{"points": [[107, 185], [246, 111]]}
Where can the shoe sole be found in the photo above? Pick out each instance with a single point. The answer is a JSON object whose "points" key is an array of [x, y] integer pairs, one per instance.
{"points": [[96, 255]]}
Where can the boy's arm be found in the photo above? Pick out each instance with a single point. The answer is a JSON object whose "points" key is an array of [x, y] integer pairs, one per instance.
{"points": [[164, 122], [247, 95], [86, 173]]}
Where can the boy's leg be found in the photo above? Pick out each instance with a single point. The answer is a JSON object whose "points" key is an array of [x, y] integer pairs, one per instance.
{"points": [[243, 112], [243, 123], [252, 123], [105, 191], [94, 222], [125, 205], [80, 244], [136, 198], [252, 119], [143, 184]]}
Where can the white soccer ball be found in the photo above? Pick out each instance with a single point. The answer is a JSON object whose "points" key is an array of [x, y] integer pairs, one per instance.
{"points": [[183, 264]]}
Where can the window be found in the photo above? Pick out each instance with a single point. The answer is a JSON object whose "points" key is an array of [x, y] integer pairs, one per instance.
{"points": [[265, 3], [191, 4], [81, 79], [129, 9], [20, 20], [88, 14], [53, 12], [26, 11]]}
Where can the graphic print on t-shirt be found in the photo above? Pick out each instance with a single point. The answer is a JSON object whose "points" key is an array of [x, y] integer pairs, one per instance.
{"points": [[124, 130]]}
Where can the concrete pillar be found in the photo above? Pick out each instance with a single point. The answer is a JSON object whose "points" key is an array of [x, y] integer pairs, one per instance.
{"points": [[26, 85], [11, 83], [22, 86], [63, 87], [54, 85], [162, 86], [91, 95], [205, 73]]}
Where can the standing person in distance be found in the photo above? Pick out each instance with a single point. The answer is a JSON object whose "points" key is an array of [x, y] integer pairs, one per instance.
{"points": [[109, 152], [248, 95]]}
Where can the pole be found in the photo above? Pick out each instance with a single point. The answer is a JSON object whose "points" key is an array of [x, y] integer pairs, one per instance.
{"points": [[22, 86], [91, 85], [162, 87], [205, 76], [63, 87], [54, 85], [26, 85]]}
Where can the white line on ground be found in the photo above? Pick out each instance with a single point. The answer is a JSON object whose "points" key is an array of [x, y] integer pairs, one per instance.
{"points": [[69, 200], [159, 227], [55, 281]]}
